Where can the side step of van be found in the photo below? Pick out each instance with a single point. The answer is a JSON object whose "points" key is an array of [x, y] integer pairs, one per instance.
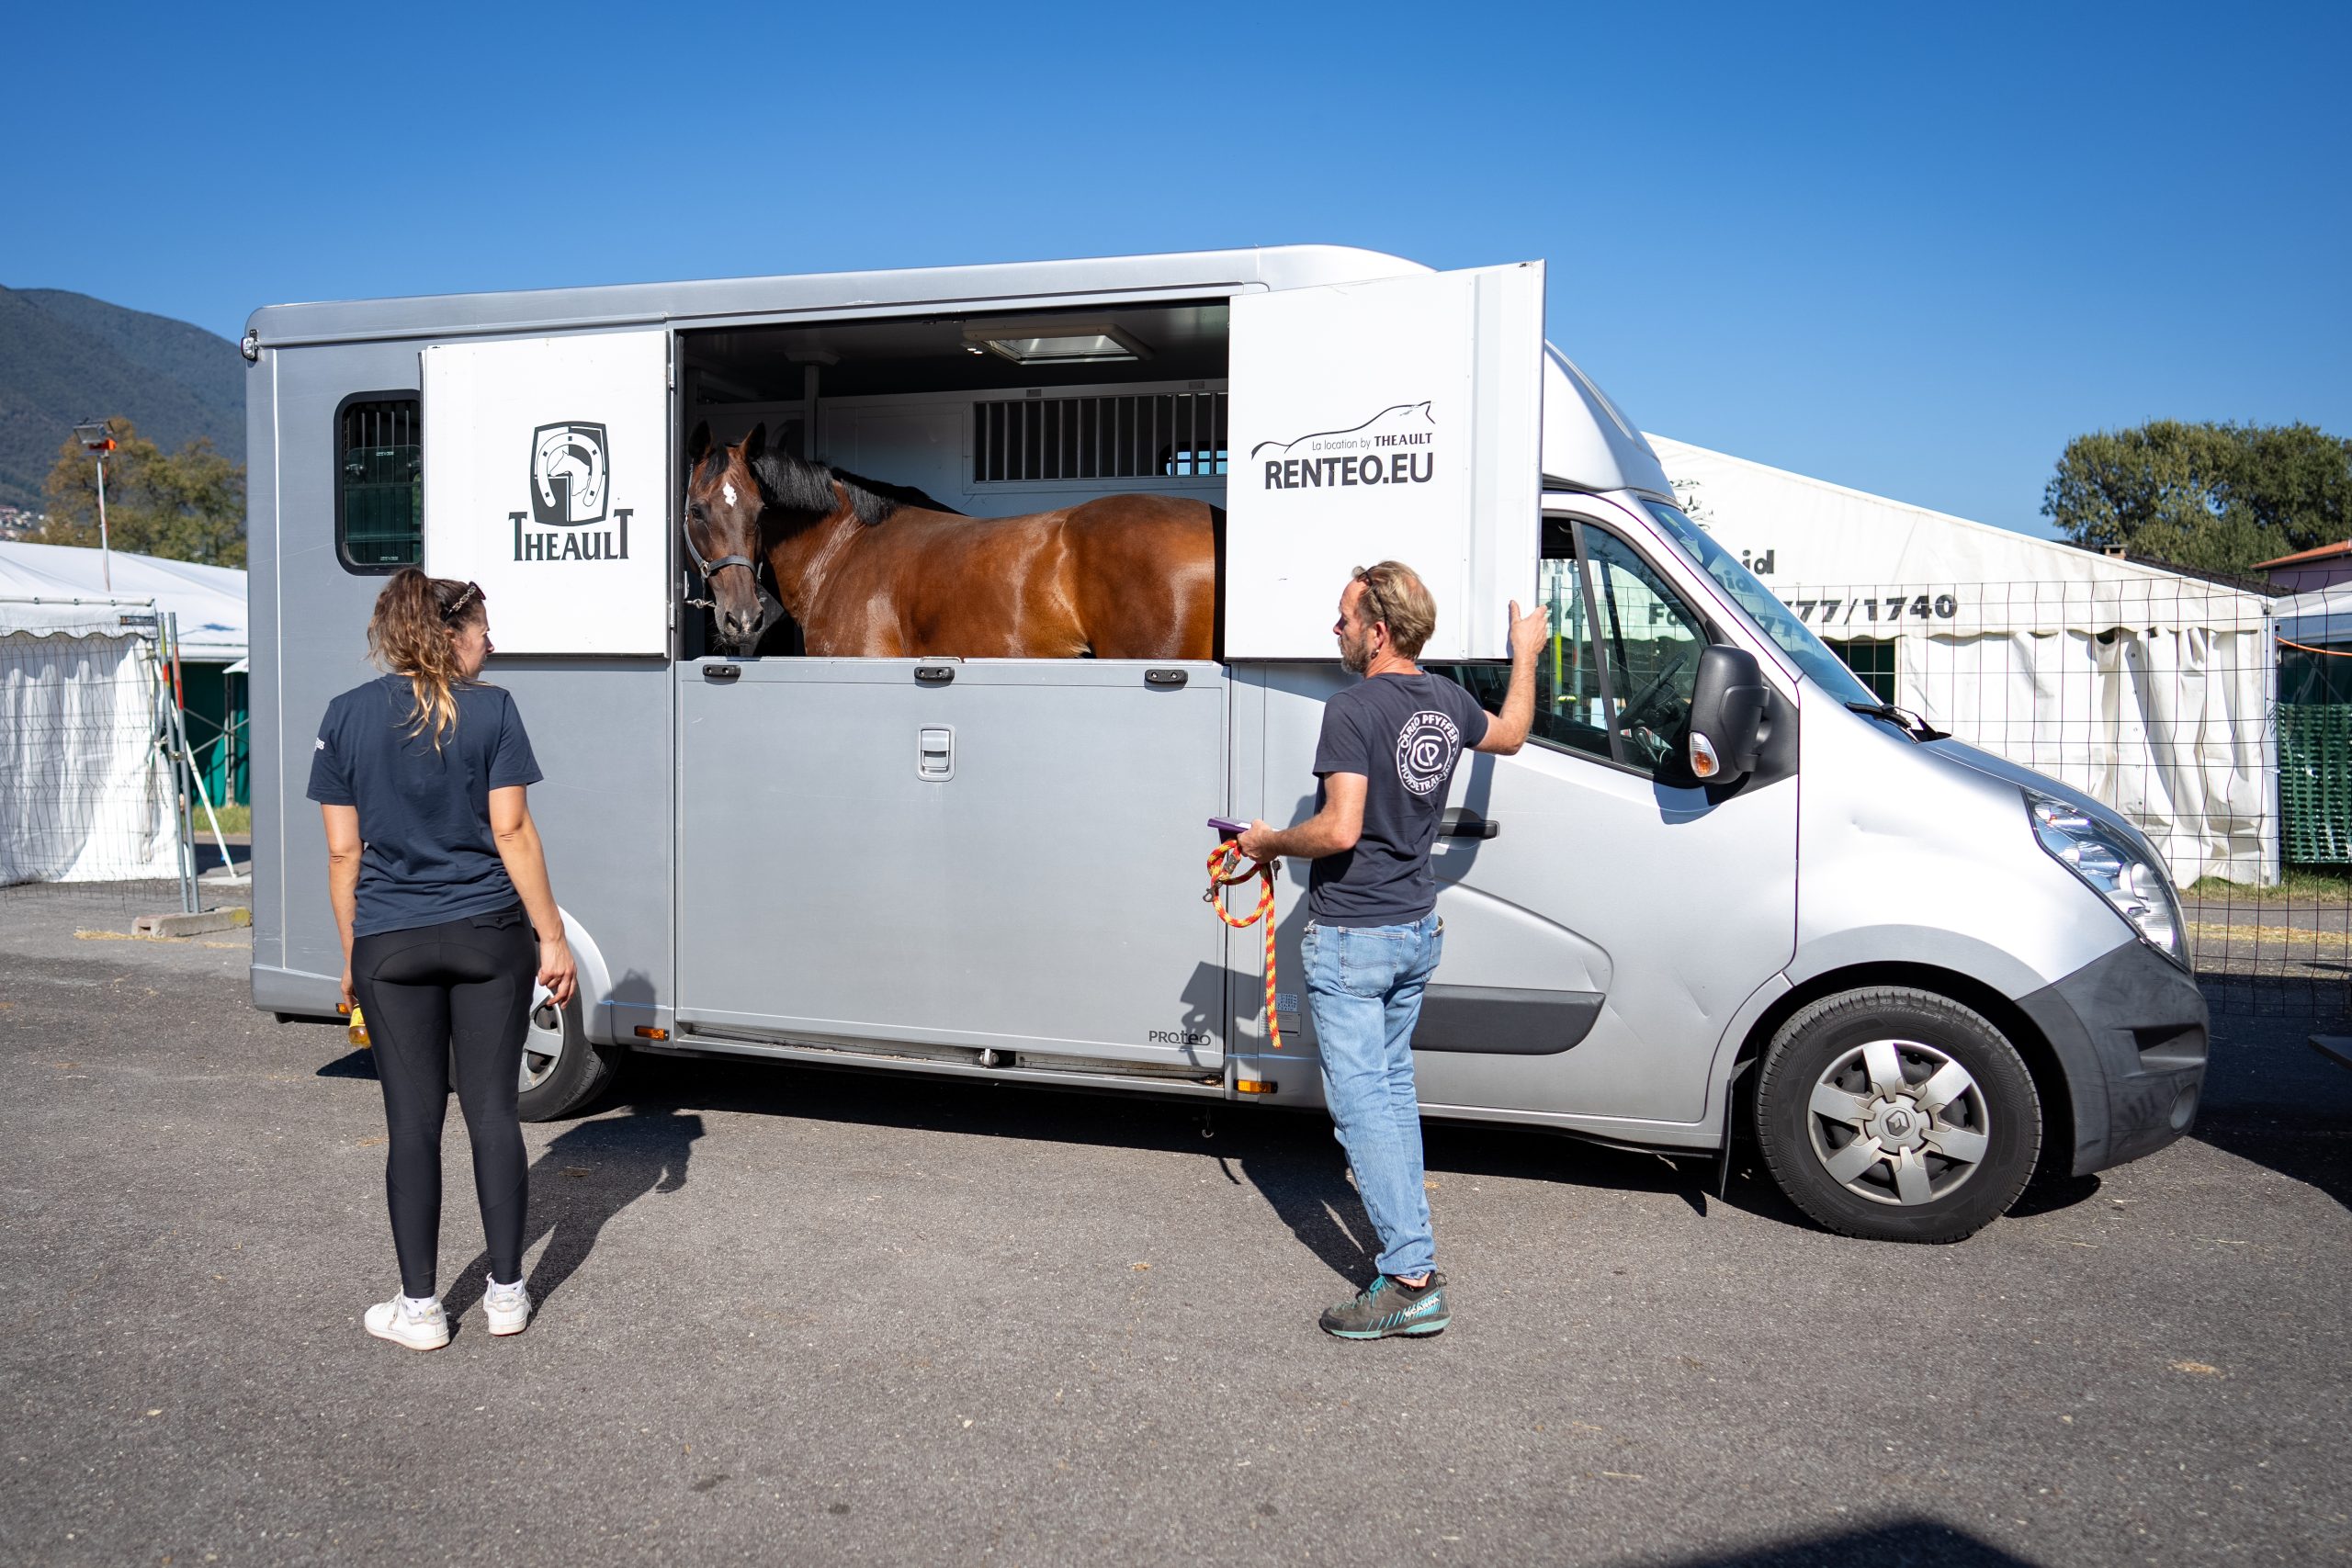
{"points": [[705, 1040]]}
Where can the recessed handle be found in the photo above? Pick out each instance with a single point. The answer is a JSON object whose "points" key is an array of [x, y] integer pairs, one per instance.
{"points": [[1462, 823], [721, 671], [1167, 679], [934, 674]]}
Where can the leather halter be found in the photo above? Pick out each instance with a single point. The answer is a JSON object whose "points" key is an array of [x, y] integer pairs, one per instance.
{"points": [[771, 607], [710, 567]]}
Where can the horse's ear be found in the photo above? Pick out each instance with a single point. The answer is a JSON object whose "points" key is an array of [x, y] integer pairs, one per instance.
{"points": [[755, 443], [698, 442]]}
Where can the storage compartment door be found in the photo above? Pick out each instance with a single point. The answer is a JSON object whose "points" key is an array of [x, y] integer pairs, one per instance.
{"points": [[547, 470], [1397, 419]]}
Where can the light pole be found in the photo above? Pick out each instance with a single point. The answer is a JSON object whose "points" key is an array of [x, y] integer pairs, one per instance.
{"points": [[98, 441]]}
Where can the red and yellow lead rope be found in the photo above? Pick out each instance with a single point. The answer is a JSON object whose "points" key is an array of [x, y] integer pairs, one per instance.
{"points": [[1227, 857]]}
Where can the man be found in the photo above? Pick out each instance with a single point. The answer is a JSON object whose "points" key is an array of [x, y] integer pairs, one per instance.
{"points": [[1372, 939]]}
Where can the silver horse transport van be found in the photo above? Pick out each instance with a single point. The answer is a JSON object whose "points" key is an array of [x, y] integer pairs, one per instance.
{"points": [[1721, 890]]}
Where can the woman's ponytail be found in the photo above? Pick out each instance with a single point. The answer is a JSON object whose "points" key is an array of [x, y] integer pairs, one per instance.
{"points": [[409, 635]]}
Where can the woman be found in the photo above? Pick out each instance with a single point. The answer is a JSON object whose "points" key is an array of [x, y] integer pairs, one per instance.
{"points": [[440, 888]]}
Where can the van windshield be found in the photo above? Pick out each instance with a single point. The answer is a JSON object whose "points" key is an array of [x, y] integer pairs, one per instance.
{"points": [[1809, 653]]}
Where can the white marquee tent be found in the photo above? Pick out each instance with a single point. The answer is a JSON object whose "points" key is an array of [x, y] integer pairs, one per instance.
{"points": [[86, 791], [209, 599], [2151, 689]]}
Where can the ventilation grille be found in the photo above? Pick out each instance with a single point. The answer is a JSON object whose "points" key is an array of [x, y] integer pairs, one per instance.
{"points": [[1140, 435]]}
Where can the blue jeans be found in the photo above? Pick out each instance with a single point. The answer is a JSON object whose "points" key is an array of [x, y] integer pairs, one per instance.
{"points": [[1364, 984]]}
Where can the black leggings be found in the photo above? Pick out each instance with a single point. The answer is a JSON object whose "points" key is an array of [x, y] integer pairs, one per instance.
{"points": [[464, 983]]}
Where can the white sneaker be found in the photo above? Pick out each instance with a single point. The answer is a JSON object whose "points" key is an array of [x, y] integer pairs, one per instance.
{"points": [[403, 1324], [508, 1307]]}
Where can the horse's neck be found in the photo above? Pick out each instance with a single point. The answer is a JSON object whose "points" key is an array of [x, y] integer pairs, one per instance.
{"points": [[808, 551]]}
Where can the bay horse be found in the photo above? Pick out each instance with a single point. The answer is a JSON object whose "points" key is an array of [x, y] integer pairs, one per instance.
{"points": [[877, 570]]}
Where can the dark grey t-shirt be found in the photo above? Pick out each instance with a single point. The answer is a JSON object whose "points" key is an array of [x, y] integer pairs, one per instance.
{"points": [[1403, 733], [423, 814]]}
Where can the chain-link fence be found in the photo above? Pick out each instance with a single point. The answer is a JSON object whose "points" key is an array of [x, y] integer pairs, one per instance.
{"points": [[97, 790], [2175, 702]]}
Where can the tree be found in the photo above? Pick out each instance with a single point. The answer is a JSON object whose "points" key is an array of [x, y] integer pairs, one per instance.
{"points": [[2220, 497], [190, 505]]}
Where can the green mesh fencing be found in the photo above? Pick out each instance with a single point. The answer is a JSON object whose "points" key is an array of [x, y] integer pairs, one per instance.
{"points": [[2315, 783]]}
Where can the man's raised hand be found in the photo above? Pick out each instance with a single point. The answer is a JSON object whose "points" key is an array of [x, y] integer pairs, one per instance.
{"points": [[1529, 632]]}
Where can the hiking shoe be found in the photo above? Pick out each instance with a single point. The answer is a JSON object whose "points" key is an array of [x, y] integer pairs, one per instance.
{"points": [[508, 1307], [1388, 1306], [425, 1328]]}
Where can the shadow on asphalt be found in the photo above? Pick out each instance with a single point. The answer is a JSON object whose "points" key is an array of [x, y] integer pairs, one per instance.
{"points": [[591, 1172], [2269, 1099], [1905, 1543], [1290, 1157]]}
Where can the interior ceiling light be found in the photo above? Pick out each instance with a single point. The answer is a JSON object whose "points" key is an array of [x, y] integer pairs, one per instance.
{"points": [[1052, 341]]}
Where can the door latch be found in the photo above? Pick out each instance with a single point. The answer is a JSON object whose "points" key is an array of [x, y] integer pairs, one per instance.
{"points": [[935, 752]]}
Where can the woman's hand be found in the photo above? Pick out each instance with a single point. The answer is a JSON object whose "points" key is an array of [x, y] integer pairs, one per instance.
{"points": [[558, 973]]}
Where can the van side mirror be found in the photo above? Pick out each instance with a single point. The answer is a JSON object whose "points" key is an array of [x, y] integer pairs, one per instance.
{"points": [[1726, 716]]}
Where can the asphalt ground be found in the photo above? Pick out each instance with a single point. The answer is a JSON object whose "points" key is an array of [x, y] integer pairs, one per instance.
{"points": [[795, 1315]]}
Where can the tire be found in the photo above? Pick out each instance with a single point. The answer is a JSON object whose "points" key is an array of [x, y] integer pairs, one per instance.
{"points": [[1936, 1160], [563, 1070]]}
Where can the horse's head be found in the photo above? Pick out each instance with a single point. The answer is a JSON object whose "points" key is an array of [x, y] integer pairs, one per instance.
{"points": [[722, 532]]}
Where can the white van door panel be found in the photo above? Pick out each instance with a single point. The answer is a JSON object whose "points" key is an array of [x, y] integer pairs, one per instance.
{"points": [[545, 482], [1396, 419], [1599, 945], [1692, 905]]}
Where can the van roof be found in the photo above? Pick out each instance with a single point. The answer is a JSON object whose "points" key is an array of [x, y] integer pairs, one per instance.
{"points": [[1001, 285], [1587, 444]]}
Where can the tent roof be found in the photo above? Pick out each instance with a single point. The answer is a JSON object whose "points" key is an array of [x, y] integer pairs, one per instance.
{"points": [[1810, 540], [209, 599]]}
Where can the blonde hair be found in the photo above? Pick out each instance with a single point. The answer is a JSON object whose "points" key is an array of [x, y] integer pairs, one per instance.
{"points": [[409, 635], [1394, 593]]}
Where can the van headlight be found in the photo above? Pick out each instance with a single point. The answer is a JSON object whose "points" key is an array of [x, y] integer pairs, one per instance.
{"points": [[2127, 876]]}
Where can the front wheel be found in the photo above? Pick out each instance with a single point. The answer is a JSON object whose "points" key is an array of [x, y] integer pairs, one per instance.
{"points": [[1897, 1114], [563, 1068]]}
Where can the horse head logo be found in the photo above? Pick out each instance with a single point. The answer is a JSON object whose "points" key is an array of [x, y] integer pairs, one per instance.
{"points": [[568, 474]]}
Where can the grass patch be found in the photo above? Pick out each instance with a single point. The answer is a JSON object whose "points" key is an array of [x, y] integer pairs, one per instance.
{"points": [[2301, 883], [233, 819]]}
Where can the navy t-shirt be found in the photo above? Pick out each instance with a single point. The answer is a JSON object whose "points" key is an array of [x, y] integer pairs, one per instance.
{"points": [[1403, 733], [423, 814]]}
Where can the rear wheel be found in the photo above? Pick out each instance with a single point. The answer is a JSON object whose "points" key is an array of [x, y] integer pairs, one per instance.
{"points": [[563, 1070], [1897, 1114]]}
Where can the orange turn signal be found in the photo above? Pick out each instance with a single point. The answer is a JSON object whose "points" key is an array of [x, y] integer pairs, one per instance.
{"points": [[647, 1032], [1254, 1086]]}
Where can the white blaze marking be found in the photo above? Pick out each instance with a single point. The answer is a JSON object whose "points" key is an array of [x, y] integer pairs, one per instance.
{"points": [[729, 490]]}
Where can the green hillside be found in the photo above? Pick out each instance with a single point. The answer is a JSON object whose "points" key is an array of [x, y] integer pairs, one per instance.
{"points": [[67, 357]]}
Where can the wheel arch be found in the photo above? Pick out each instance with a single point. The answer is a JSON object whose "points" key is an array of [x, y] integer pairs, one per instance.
{"points": [[594, 982], [2053, 1076]]}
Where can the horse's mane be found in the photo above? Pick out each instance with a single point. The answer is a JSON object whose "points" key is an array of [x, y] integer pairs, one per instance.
{"points": [[803, 486]]}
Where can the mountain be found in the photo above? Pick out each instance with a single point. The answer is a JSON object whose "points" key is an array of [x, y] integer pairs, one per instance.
{"points": [[67, 357]]}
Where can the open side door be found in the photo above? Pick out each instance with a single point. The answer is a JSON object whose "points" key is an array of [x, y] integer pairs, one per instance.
{"points": [[1401, 419], [548, 485]]}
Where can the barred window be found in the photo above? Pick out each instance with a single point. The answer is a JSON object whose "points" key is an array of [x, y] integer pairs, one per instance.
{"points": [[378, 482], [1130, 435]]}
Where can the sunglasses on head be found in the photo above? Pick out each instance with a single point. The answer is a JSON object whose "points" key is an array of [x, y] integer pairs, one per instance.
{"points": [[467, 595]]}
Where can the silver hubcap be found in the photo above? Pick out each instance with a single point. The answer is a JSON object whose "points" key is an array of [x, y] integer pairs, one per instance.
{"points": [[1897, 1122], [543, 1046]]}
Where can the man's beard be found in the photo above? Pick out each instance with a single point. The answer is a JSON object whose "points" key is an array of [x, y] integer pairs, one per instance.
{"points": [[1354, 657]]}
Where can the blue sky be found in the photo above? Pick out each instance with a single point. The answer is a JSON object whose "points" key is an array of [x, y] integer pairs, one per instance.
{"points": [[1904, 252]]}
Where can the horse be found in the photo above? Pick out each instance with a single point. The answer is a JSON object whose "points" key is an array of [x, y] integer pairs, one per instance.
{"points": [[881, 571]]}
